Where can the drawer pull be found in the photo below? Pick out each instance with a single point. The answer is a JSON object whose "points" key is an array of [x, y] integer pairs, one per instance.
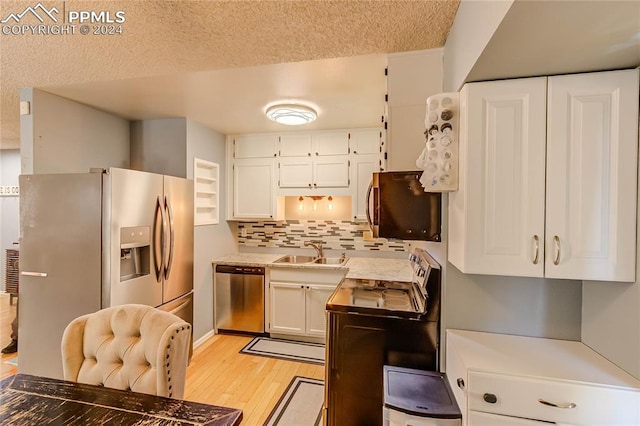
{"points": [[490, 398], [551, 404], [460, 383]]}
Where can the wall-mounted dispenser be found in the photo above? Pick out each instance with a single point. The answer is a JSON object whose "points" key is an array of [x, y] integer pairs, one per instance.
{"points": [[439, 159], [135, 251]]}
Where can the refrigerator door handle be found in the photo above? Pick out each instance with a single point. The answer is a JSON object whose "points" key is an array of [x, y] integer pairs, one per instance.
{"points": [[172, 235], [158, 246], [33, 274]]}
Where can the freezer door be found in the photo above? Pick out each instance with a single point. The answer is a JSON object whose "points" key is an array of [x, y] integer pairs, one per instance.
{"points": [[133, 229], [60, 263], [178, 254]]}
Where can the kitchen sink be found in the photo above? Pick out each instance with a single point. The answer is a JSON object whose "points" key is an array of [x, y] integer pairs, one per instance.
{"points": [[331, 260], [295, 259], [290, 258]]}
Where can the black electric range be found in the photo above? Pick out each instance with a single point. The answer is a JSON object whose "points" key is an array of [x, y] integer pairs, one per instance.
{"points": [[389, 297], [373, 323]]}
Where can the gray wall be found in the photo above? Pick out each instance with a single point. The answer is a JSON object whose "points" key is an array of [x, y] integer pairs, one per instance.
{"points": [[611, 318], [210, 241], [473, 27], [9, 206], [523, 306], [160, 146], [512, 305], [412, 78], [62, 136]]}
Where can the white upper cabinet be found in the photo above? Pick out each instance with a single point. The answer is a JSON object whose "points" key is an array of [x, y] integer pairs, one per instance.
{"points": [[496, 223], [592, 152], [314, 160], [365, 141], [589, 157], [255, 146], [330, 143], [362, 169], [295, 145], [253, 189]]}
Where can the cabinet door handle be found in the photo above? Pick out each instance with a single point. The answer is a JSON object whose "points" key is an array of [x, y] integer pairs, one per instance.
{"points": [[556, 241], [33, 274], [317, 153], [309, 185], [551, 404], [536, 245]]}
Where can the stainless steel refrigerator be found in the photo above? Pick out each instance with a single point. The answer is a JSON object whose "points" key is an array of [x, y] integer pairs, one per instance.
{"points": [[93, 240]]}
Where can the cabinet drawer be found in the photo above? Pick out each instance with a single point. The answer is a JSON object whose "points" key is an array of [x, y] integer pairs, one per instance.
{"points": [[477, 418], [519, 396]]}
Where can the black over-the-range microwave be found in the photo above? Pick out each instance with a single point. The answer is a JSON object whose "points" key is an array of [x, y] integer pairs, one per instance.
{"points": [[401, 209]]}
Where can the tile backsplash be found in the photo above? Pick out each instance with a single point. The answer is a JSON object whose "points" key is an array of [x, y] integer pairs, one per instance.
{"points": [[336, 235]]}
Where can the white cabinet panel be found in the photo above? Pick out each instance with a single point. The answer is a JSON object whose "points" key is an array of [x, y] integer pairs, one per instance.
{"points": [[255, 146], [296, 172], [484, 419], [498, 212], [362, 169], [287, 307], [295, 145], [316, 300], [592, 153], [576, 403], [330, 143], [253, 185], [365, 141], [331, 172]]}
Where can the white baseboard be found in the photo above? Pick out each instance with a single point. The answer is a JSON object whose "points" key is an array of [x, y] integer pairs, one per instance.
{"points": [[203, 339]]}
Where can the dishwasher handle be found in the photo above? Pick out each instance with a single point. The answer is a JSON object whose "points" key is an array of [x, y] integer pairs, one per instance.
{"points": [[239, 270]]}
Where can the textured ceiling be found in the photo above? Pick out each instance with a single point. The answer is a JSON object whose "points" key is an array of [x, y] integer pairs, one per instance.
{"points": [[177, 38]]}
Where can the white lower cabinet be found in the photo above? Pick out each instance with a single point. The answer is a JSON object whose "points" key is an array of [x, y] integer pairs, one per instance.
{"points": [[477, 418], [515, 380], [287, 308], [297, 299]]}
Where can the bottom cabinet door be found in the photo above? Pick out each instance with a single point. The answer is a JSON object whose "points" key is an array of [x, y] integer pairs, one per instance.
{"points": [[477, 418], [287, 308], [317, 296]]}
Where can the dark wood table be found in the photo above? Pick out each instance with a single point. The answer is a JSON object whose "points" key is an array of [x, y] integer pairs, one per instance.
{"points": [[33, 400]]}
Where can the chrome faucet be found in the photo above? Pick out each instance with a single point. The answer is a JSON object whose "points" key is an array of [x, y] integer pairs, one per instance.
{"points": [[317, 246]]}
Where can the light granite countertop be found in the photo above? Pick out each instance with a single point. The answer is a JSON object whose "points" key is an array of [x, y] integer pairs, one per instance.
{"points": [[372, 268], [375, 268]]}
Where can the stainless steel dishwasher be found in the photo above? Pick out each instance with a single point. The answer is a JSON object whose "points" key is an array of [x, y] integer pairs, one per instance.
{"points": [[239, 299]]}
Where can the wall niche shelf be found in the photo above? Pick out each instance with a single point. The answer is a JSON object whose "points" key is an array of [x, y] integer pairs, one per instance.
{"points": [[206, 192]]}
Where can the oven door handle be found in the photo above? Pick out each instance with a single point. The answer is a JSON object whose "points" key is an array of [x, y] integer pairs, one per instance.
{"points": [[368, 199]]}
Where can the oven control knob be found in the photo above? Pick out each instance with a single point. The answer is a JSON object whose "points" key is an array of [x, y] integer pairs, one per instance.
{"points": [[490, 398], [421, 272]]}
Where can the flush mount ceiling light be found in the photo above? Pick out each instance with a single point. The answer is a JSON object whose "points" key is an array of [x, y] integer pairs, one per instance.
{"points": [[291, 115]]}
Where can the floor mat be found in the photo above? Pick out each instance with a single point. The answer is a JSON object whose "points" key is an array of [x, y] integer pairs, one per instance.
{"points": [[300, 404], [313, 353]]}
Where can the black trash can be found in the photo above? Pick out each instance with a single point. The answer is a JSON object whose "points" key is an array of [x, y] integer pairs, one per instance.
{"points": [[418, 397]]}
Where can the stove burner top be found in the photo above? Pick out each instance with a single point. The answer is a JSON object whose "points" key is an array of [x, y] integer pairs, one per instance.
{"points": [[386, 298]]}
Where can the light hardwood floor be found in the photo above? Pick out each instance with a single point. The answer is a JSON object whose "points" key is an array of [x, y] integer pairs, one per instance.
{"points": [[217, 375]]}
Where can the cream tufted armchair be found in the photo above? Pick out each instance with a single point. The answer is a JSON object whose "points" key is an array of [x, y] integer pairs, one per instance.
{"points": [[130, 347]]}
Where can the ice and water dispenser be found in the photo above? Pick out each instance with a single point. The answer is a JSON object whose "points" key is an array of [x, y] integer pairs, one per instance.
{"points": [[135, 252]]}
